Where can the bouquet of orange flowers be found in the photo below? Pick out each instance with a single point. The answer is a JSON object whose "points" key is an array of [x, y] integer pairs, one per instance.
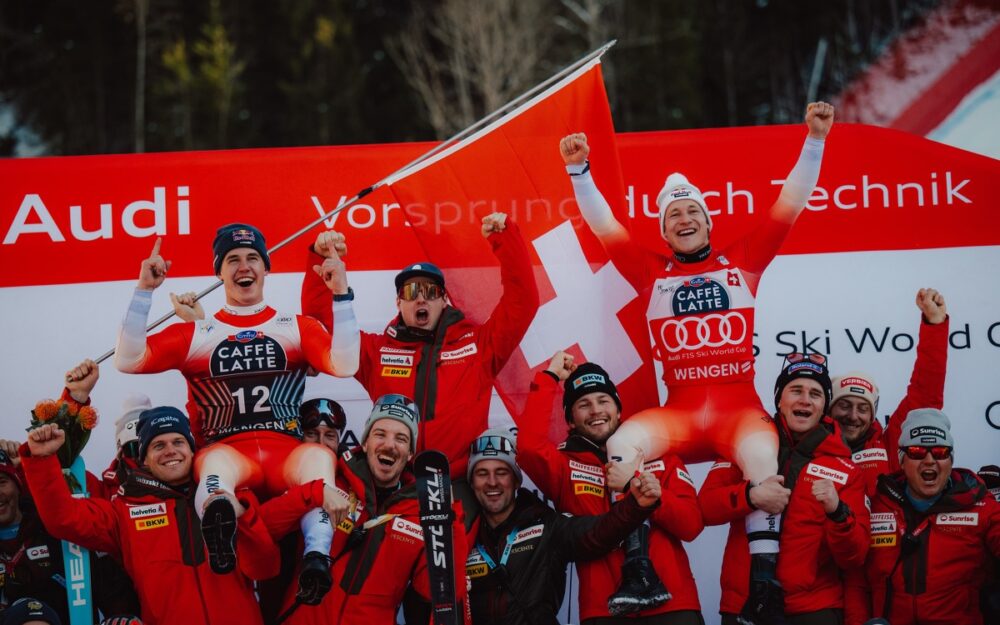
{"points": [[76, 420]]}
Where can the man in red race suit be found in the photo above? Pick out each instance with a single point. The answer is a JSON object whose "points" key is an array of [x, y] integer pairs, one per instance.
{"points": [[245, 367], [430, 351], [701, 316]]}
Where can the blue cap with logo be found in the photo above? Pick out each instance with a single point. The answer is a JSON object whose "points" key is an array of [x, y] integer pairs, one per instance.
{"points": [[232, 236], [420, 270], [27, 610], [162, 420]]}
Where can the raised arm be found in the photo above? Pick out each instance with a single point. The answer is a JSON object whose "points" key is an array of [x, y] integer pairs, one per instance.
{"points": [[341, 354], [926, 387], [509, 321], [802, 179], [536, 454]]}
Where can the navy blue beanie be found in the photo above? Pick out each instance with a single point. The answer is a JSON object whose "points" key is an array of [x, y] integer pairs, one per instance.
{"points": [[27, 610], [232, 236], [162, 420]]}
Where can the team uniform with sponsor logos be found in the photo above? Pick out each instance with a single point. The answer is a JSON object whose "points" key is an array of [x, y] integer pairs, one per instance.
{"points": [[453, 394], [518, 569], [378, 550], [927, 568], [572, 476], [701, 317], [815, 549], [877, 453], [245, 371], [154, 531]]}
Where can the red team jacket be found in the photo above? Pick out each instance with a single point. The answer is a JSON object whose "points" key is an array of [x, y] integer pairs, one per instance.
{"points": [[454, 394], [814, 549], [154, 531], [371, 568], [878, 453], [573, 477], [930, 566]]}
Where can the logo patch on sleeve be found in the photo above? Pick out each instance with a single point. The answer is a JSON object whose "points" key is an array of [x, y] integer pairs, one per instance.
{"points": [[38, 552], [409, 528], [656, 465], [683, 475], [883, 540], [461, 352], [141, 512], [588, 489], [397, 372], [535, 531], [825, 473], [883, 523], [152, 523], [588, 468], [396, 360], [958, 518], [871, 455], [580, 476]]}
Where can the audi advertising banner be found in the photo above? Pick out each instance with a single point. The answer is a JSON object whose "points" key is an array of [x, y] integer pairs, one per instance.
{"points": [[892, 213]]}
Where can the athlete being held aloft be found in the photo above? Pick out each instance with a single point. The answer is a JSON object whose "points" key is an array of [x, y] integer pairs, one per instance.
{"points": [[245, 367], [702, 299]]}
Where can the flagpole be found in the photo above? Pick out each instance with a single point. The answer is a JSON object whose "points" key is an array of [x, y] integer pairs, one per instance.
{"points": [[402, 172]]}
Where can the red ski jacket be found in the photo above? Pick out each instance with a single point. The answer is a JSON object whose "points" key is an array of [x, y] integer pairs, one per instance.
{"points": [[814, 548], [878, 453], [154, 531], [927, 568], [572, 476], [454, 394], [378, 551]]}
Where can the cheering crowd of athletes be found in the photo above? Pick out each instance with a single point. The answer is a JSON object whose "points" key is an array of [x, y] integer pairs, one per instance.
{"points": [[245, 508]]}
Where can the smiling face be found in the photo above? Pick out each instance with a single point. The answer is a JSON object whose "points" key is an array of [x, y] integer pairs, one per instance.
{"points": [[168, 458], [421, 313], [854, 415], [685, 227], [387, 449], [595, 417], [10, 509], [494, 484], [928, 477], [801, 405], [242, 274]]}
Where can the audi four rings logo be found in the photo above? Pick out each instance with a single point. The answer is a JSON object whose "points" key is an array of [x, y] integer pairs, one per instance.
{"points": [[712, 330]]}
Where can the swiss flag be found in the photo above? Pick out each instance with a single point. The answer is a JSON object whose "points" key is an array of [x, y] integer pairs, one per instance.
{"points": [[513, 166]]}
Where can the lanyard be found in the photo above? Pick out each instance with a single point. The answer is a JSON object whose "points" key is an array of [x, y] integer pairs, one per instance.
{"points": [[503, 557]]}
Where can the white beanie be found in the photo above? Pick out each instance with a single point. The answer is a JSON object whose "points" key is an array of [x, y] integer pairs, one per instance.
{"points": [[856, 384], [676, 187], [125, 425]]}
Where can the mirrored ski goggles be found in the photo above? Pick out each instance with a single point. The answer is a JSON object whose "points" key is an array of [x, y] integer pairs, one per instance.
{"points": [[412, 290], [491, 445], [316, 412], [938, 452], [815, 357]]}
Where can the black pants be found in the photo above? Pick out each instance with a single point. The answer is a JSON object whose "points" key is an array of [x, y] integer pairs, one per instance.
{"points": [[822, 617], [680, 617]]}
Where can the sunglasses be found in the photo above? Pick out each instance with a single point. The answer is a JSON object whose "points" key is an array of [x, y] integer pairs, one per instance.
{"points": [[412, 290], [938, 452], [795, 357]]}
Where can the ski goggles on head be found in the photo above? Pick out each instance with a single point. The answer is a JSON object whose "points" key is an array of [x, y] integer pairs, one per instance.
{"points": [[491, 445], [130, 449], [813, 357], [316, 412], [412, 290], [938, 452]]}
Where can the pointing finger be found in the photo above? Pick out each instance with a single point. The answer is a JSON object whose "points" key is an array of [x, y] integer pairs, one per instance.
{"points": [[156, 247]]}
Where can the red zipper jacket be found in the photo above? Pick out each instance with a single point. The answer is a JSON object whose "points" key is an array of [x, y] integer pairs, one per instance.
{"points": [[572, 476], [372, 568], [878, 453], [454, 394], [927, 568], [814, 549], [154, 531]]}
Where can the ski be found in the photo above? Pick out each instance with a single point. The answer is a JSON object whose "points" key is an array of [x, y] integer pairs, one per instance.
{"points": [[434, 493], [76, 561]]}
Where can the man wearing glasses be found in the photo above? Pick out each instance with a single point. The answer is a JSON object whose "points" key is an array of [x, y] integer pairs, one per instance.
{"points": [[431, 351], [824, 529], [933, 528]]}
